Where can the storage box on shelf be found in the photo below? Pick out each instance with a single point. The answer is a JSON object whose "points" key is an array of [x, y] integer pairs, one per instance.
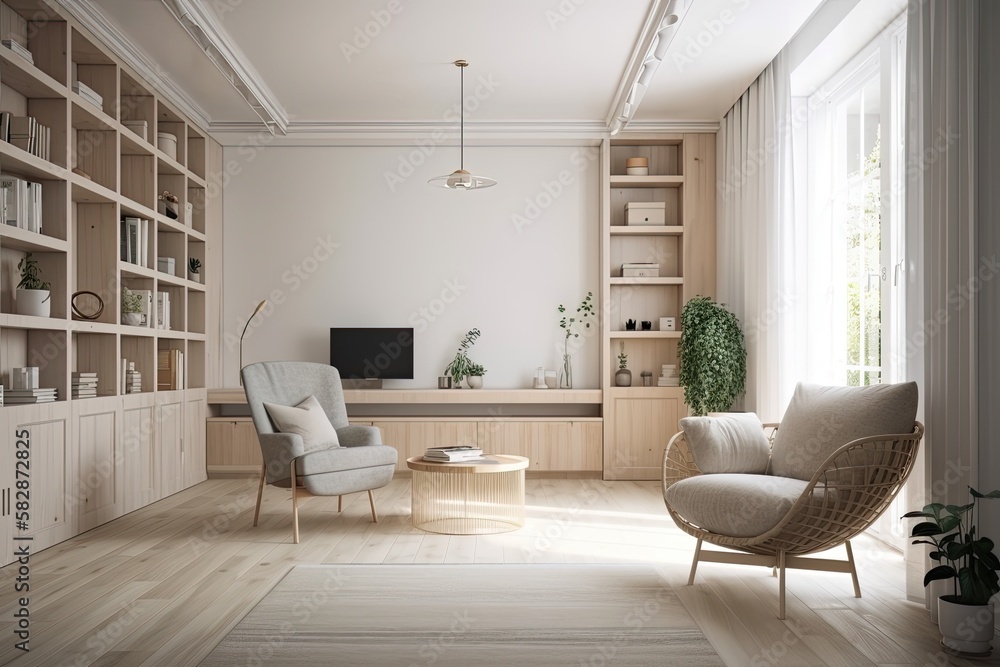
{"points": [[665, 218], [100, 118]]}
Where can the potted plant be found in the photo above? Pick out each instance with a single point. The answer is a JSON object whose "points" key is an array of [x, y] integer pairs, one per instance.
{"points": [[570, 326], [965, 617], [33, 294], [131, 308], [474, 376], [460, 365], [713, 356], [194, 269], [623, 376]]}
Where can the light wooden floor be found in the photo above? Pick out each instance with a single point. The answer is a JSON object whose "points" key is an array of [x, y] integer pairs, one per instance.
{"points": [[163, 585]]}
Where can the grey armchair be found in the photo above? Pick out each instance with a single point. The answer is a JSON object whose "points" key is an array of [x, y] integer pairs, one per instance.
{"points": [[360, 463]]}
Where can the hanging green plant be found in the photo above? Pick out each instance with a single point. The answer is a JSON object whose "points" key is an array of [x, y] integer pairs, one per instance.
{"points": [[713, 356]]}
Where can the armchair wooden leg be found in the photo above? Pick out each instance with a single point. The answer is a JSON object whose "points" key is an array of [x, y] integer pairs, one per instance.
{"points": [[260, 492], [371, 501], [781, 585], [295, 508], [694, 563], [854, 571], [340, 503]]}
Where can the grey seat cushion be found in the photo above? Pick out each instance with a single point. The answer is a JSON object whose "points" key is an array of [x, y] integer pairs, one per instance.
{"points": [[819, 420], [339, 459], [738, 505]]}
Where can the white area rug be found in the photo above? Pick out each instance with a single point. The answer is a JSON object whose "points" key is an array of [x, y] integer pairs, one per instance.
{"points": [[468, 615]]}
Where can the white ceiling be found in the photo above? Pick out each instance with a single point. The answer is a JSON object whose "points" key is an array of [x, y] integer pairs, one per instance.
{"points": [[548, 64]]}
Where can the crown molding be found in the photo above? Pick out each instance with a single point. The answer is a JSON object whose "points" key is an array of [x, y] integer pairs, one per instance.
{"points": [[669, 126], [90, 16]]}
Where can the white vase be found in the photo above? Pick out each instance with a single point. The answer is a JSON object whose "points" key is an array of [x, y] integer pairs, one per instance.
{"points": [[475, 381], [965, 628], [132, 319], [34, 302], [194, 277]]}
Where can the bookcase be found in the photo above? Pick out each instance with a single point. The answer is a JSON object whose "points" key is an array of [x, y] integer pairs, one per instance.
{"points": [[638, 420], [98, 457]]}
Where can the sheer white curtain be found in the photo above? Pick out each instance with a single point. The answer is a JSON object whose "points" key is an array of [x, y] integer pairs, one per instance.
{"points": [[758, 246], [943, 270]]}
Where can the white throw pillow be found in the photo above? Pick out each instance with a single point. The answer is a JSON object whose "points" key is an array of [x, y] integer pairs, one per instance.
{"points": [[306, 419], [727, 443]]}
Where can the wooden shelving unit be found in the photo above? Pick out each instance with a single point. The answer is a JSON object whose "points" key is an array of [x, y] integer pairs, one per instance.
{"points": [[639, 420], [92, 446]]}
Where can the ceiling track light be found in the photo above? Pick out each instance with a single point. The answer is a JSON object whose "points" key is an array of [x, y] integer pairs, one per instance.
{"points": [[460, 179]]}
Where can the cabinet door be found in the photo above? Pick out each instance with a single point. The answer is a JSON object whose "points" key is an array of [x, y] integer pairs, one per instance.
{"points": [[231, 446], [98, 440], [548, 445], [639, 428], [412, 438], [140, 460], [53, 510], [194, 442], [170, 443], [8, 477]]}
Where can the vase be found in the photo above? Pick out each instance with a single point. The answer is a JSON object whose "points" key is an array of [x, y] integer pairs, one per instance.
{"points": [[623, 377], [132, 319], [474, 381], [566, 372], [33, 302], [965, 629]]}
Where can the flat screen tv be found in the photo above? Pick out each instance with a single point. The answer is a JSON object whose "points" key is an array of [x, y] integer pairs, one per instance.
{"points": [[372, 353]]}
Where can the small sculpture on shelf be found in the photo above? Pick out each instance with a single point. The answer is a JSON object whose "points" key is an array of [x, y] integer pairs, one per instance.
{"points": [[623, 376], [167, 204], [647, 325], [630, 325]]}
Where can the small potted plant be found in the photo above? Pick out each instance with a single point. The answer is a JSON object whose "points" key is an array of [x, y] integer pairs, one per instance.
{"points": [[713, 356], [131, 308], [965, 617], [194, 269], [623, 376], [33, 294], [459, 367], [167, 204], [474, 376]]}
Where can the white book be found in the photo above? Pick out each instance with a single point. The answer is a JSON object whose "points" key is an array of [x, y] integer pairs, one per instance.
{"points": [[144, 243], [19, 50], [132, 228]]}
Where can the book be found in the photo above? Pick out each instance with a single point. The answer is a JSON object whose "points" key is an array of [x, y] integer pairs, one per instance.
{"points": [[16, 47], [453, 454], [163, 310]]}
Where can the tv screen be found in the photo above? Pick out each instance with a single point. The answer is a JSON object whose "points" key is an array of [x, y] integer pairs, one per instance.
{"points": [[384, 353]]}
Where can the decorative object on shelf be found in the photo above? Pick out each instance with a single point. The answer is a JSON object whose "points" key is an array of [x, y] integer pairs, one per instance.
{"points": [[640, 270], [474, 378], [167, 265], [188, 214], [540, 379], [194, 269], [460, 179], [131, 308], [167, 204], [637, 166], [570, 326], [647, 378], [668, 376], [629, 325], [136, 126], [551, 379], [647, 325], [24, 378], [32, 295], [444, 382], [713, 356], [1, 395], [965, 617], [260, 307], [646, 213], [460, 365], [79, 313], [668, 324], [167, 143], [623, 376]]}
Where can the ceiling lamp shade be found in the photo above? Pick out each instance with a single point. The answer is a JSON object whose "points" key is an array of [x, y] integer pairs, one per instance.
{"points": [[460, 179]]}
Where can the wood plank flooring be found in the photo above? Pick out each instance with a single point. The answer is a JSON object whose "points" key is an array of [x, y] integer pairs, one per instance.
{"points": [[163, 585]]}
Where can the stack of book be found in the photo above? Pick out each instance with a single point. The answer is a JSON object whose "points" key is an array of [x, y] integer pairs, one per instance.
{"points": [[21, 203], [169, 370], [668, 376], [84, 385], [135, 241], [131, 378], [20, 396], [26, 133], [455, 454], [16, 47], [89, 94]]}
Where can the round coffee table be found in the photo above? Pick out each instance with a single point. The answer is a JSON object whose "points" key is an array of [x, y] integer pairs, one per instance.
{"points": [[471, 498]]}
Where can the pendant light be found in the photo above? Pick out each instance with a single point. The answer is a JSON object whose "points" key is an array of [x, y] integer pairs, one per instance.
{"points": [[460, 179]]}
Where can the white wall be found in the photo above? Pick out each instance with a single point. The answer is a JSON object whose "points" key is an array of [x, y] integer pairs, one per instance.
{"points": [[412, 255]]}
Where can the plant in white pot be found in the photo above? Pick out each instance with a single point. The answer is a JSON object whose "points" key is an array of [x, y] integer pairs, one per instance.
{"points": [[194, 269], [33, 294], [131, 308], [459, 367], [965, 617], [474, 375]]}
